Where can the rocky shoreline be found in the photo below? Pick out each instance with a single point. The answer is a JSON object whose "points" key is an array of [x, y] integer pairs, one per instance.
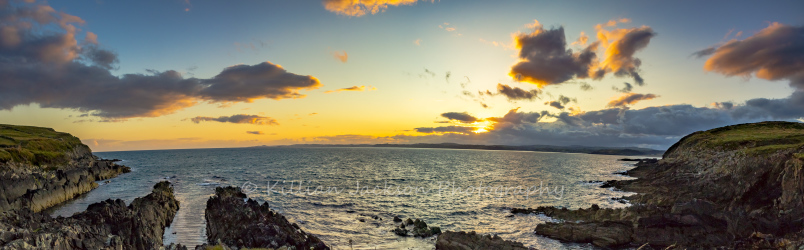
{"points": [[40, 190], [41, 168], [105, 225], [233, 220], [735, 187]]}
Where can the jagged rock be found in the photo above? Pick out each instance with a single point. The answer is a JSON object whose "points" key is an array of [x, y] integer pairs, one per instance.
{"points": [[739, 186], [61, 168], [397, 219], [473, 241], [235, 221], [106, 225], [419, 228]]}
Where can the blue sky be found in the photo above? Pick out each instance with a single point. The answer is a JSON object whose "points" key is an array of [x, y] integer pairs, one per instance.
{"points": [[391, 53]]}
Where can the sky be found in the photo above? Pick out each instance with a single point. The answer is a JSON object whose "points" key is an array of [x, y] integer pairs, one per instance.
{"points": [[168, 74]]}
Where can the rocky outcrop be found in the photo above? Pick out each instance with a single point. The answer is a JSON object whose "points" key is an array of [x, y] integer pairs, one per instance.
{"points": [[235, 221], [415, 228], [40, 168], [106, 225], [739, 186], [473, 241], [43, 189]]}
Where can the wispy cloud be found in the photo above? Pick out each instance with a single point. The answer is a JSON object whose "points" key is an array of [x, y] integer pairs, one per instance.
{"points": [[463, 117], [341, 56], [241, 119], [361, 8], [353, 88], [629, 99]]}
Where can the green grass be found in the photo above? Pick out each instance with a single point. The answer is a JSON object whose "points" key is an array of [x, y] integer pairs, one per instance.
{"points": [[761, 138], [764, 135], [5, 156], [35, 145]]}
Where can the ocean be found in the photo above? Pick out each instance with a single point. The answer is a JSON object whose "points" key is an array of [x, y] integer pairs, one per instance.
{"points": [[335, 192]]}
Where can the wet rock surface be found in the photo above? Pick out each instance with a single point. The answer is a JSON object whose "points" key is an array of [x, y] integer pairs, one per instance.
{"points": [[740, 186], [233, 220], [39, 190], [105, 225], [415, 228], [471, 241]]}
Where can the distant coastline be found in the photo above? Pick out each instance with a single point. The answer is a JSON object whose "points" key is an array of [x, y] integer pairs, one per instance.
{"points": [[537, 148]]}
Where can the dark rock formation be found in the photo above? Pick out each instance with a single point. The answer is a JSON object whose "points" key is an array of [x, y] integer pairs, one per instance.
{"points": [[739, 186], [234, 220], [40, 190], [473, 241], [40, 168], [417, 228], [106, 225]]}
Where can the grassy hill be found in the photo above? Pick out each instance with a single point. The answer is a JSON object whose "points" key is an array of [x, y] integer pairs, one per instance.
{"points": [[36, 146], [750, 139]]}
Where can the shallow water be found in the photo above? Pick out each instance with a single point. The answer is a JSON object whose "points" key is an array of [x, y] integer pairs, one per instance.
{"points": [[458, 190]]}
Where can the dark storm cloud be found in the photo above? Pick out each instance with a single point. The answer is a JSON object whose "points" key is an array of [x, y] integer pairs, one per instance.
{"points": [[447, 129], [461, 117], [774, 53], [241, 118], [41, 65], [791, 107]]}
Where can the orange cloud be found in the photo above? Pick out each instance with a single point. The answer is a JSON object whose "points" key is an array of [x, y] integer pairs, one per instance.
{"points": [[630, 98], [91, 38], [360, 8], [241, 119], [774, 53], [353, 88], [582, 39], [342, 56], [546, 60]]}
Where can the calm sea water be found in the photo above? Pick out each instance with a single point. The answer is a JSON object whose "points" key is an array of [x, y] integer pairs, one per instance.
{"points": [[327, 191]]}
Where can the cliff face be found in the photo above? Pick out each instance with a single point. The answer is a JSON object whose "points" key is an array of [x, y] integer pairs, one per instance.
{"points": [[106, 225], [739, 186], [40, 168]]}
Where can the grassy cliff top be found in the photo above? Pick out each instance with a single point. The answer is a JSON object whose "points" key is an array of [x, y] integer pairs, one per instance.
{"points": [[750, 138], [36, 145]]}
